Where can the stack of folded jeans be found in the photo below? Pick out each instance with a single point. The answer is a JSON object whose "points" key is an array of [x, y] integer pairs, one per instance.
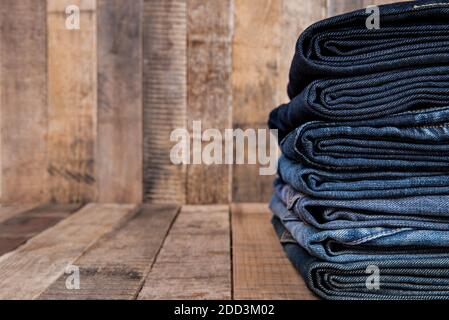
{"points": [[361, 204]]}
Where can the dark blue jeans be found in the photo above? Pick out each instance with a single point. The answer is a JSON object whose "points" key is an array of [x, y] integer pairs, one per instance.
{"points": [[347, 185], [364, 97], [411, 34], [399, 279], [408, 141]]}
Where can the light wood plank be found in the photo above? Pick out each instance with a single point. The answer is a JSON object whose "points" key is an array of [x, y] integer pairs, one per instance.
{"points": [[22, 227], [261, 269], [336, 7], [119, 156], [29, 270], [296, 17], [23, 77], [194, 262], [165, 97], [72, 86], [116, 266], [256, 60], [210, 25]]}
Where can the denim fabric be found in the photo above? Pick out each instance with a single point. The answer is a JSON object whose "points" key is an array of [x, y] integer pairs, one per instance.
{"points": [[361, 244], [429, 213], [407, 141], [361, 184], [364, 97], [426, 279], [411, 34]]}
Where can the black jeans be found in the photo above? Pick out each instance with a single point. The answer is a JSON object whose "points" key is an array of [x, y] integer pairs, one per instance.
{"points": [[411, 34]]}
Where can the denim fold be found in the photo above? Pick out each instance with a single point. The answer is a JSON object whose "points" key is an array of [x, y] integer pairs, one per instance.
{"points": [[406, 141], [361, 244], [330, 184], [423, 279], [429, 212], [364, 97], [411, 34]]}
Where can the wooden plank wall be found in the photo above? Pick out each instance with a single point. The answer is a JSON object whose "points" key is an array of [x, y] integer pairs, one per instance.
{"points": [[86, 115]]}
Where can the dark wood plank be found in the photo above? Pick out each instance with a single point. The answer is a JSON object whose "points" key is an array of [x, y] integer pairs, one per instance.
{"points": [[26, 272], [119, 153], [72, 86], [261, 268], [22, 227], [23, 87], [209, 92], [165, 97], [116, 266], [195, 261]]}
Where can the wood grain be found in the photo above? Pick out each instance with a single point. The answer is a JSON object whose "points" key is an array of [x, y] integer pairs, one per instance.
{"points": [[210, 28], [119, 147], [28, 271], [336, 7], [22, 227], [265, 36], [261, 268], [7, 212], [255, 76], [164, 97], [23, 86], [195, 261], [116, 266], [296, 17], [72, 86]]}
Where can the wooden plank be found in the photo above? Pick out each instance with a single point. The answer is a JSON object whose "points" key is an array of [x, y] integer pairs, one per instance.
{"points": [[336, 7], [22, 227], [256, 60], [296, 17], [7, 212], [210, 25], [260, 266], [119, 153], [116, 266], [264, 43], [194, 262], [23, 87], [164, 97], [72, 86], [29, 270]]}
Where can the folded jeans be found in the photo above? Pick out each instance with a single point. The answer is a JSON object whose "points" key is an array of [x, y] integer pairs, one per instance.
{"points": [[411, 34], [428, 212], [330, 184], [362, 244], [364, 97], [402, 142], [398, 280]]}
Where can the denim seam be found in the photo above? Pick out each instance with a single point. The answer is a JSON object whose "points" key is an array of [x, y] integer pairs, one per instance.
{"points": [[376, 236]]}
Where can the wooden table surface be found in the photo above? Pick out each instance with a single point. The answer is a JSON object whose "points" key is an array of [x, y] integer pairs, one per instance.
{"points": [[144, 252]]}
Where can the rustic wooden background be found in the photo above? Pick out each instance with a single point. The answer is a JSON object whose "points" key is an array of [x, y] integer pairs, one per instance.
{"points": [[86, 114]]}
